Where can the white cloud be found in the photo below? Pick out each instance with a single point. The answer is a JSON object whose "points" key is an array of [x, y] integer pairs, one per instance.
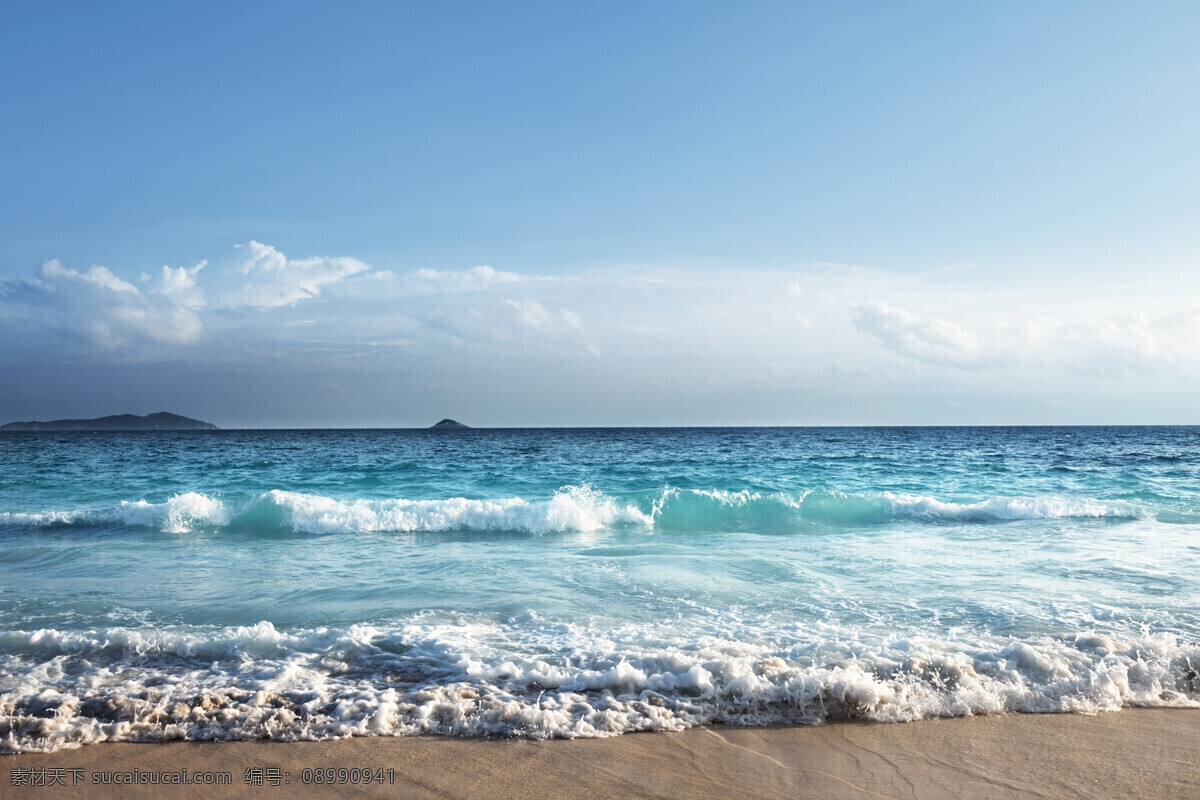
{"points": [[275, 280], [476, 279], [840, 342], [1121, 343], [535, 315], [107, 312], [53, 271], [179, 286], [932, 340]]}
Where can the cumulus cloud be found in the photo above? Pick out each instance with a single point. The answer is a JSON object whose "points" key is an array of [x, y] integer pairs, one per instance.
{"points": [[54, 272], [107, 312], [272, 279], [179, 285], [931, 340], [100, 309]]}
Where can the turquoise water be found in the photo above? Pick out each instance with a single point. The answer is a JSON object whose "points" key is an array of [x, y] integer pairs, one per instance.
{"points": [[312, 584]]}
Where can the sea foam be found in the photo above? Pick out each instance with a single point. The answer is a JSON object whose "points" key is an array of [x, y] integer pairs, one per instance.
{"points": [[531, 679], [574, 508], [178, 514]]}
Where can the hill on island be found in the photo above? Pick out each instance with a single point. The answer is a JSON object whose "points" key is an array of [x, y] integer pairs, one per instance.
{"points": [[162, 421], [449, 425]]}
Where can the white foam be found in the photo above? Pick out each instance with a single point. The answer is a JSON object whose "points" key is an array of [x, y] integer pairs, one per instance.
{"points": [[1008, 508], [527, 677], [729, 498], [179, 514], [573, 508]]}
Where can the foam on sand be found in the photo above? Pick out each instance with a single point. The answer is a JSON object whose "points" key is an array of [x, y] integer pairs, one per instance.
{"points": [[533, 679]]}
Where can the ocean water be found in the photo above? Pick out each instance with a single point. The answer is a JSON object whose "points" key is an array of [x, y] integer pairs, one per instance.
{"points": [[567, 583]]}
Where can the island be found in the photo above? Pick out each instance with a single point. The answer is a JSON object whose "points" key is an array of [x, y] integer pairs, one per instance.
{"points": [[449, 425], [162, 421]]}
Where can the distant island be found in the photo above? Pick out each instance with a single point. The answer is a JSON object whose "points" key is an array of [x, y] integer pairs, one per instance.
{"points": [[162, 421], [449, 425]]}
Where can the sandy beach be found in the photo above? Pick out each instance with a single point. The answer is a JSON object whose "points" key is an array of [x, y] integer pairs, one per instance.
{"points": [[1133, 753]]}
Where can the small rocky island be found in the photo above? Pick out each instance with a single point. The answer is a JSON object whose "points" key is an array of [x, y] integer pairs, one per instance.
{"points": [[162, 421], [449, 425]]}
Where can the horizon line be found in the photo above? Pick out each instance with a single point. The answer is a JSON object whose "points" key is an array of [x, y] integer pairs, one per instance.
{"points": [[218, 428]]}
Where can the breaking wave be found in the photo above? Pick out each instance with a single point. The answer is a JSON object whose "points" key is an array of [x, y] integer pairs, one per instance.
{"points": [[581, 508]]}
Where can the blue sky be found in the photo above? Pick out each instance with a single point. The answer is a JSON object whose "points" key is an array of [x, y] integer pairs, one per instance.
{"points": [[601, 214]]}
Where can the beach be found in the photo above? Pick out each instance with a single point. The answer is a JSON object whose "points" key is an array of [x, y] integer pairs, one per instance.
{"points": [[1128, 754]]}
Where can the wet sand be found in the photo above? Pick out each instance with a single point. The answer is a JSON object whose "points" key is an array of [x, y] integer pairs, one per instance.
{"points": [[1140, 753]]}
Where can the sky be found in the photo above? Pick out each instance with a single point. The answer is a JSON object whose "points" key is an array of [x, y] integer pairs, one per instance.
{"points": [[601, 214]]}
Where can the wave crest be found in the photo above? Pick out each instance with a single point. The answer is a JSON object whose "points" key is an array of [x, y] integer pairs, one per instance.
{"points": [[581, 508], [573, 508], [179, 514]]}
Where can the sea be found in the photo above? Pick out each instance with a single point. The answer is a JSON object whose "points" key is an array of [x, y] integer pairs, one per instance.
{"points": [[304, 585]]}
